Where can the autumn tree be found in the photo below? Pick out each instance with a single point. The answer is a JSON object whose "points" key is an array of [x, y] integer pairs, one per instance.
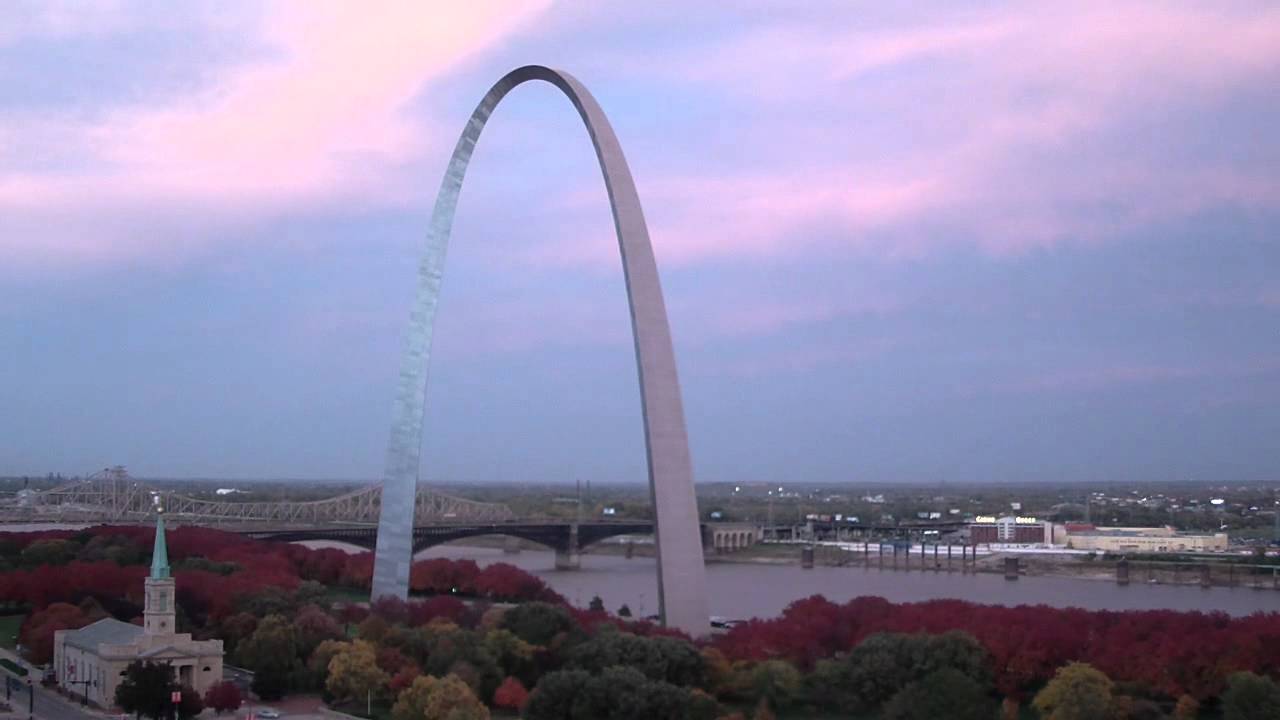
{"points": [[452, 699], [317, 666], [1250, 697], [510, 695], [190, 704], [223, 697], [313, 626], [1186, 709], [513, 655], [354, 673], [412, 702], [1077, 692], [37, 631]]}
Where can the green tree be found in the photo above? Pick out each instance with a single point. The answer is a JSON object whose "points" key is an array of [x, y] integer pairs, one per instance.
{"points": [[624, 611], [266, 601], [49, 552], [555, 695], [1077, 691], [537, 622], [945, 693], [513, 655], [452, 699], [354, 673], [145, 689], [622, 693], [596, 604], [1250, 697], [777, 682], [412, 703], [886, 663], [659, 658], [271, 652]]}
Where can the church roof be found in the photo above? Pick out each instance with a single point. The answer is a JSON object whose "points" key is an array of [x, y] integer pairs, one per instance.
{"points": [[108, 631], [160, 553]]}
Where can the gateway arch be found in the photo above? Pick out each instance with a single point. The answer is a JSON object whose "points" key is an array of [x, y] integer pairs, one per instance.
{"points": [[681, 575]]}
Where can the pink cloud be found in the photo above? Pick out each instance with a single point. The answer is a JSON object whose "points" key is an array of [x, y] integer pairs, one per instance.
{"points": [[1003, 142], [319, 115]]}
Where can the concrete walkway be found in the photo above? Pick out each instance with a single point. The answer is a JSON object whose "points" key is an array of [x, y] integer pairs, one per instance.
{"points": [[48, 704]]}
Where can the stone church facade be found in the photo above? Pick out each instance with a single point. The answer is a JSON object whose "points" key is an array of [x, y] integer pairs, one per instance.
{"points": [[90, 662]]}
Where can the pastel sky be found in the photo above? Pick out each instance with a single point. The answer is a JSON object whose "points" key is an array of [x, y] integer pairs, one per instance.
{"points": [[899, 242]]}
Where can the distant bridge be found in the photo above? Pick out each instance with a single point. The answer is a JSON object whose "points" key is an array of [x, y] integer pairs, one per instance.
{"points": [[111, 496], [567, 538]]}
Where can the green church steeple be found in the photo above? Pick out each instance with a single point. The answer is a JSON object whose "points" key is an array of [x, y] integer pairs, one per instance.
{"points": [[160, 553]]}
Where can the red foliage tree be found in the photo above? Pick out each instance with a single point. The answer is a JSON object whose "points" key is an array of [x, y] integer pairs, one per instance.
{"points": [[391, 660], [502, 581], [440, 606], [1171, 652], [510, 695], [223, 697], [37, 631]]}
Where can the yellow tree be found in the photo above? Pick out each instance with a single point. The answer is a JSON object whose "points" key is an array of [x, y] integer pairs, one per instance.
{"points": [[452, 699], [412, 703], [1077, 691], [354, 673]]}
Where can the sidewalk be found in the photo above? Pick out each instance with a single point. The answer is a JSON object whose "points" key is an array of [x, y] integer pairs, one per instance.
{"points": [[49, 705]]}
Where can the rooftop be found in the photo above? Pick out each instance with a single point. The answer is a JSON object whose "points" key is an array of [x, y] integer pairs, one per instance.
{"points": [[109, 631]]}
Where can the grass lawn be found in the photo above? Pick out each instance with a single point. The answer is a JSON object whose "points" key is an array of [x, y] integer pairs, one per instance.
{"points": [[346, 594], [9, 625]]}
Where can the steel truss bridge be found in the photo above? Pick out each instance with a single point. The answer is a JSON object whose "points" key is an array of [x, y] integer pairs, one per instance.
{"points": [[112, 496]]}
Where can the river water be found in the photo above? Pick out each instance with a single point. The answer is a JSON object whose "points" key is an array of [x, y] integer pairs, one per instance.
{"points": [[744, 590]]}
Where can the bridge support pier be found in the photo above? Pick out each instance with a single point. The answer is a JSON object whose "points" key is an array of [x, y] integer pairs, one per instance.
{"points": [[567, 559], [569, 555]]}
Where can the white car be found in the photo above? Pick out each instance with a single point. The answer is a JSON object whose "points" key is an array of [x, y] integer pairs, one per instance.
{"points": [[267, 714]]}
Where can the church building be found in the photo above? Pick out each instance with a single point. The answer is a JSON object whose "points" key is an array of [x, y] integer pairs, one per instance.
{"points": [[90, 662]]}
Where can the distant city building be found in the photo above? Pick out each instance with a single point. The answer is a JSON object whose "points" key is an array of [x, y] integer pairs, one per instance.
{"points": [[1018, 530], [91, 661], [1142, 539]]}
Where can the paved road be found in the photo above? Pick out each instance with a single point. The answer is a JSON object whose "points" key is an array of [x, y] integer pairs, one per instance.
{"points": [[48, 705]]}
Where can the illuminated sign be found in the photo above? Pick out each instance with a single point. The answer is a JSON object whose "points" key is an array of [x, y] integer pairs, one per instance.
{"points": [[1025, 520], [985, 519]]}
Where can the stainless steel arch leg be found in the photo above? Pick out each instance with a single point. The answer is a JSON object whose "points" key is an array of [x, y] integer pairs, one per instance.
{"points": [[681, 575]]}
